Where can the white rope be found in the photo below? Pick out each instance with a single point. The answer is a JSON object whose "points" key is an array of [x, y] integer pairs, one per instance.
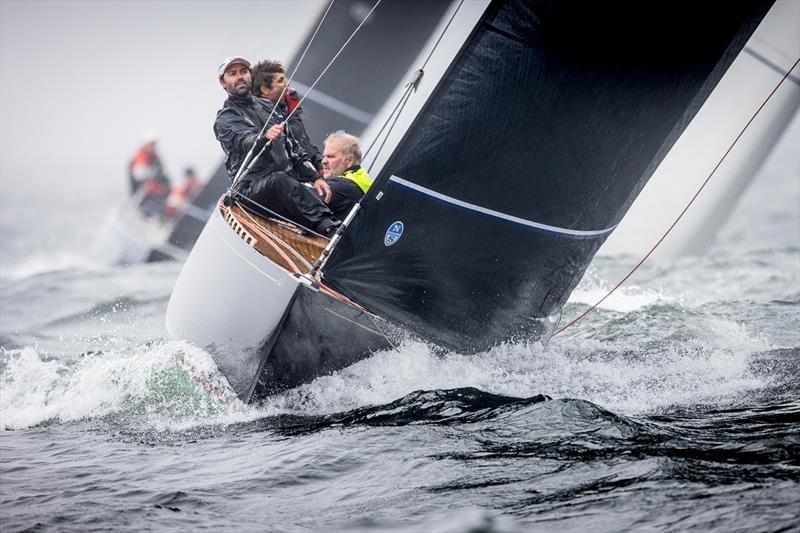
{"points": [[291, 77]]}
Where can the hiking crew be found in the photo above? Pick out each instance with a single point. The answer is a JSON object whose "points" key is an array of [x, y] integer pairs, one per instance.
{"points": [[269, 82], [276, 179], [341, 167]]}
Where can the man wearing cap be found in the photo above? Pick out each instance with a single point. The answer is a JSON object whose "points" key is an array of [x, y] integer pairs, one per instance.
{"points": [[275, 180]]}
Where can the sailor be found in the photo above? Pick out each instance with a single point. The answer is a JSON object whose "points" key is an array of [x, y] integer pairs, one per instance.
{"points": [[149, 185], [183, 194], [269, 82], [341, 167], [276, 179]]}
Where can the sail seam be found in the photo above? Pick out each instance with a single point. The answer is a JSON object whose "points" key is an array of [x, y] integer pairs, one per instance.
{"points": [[508, 35], [500, 215]]}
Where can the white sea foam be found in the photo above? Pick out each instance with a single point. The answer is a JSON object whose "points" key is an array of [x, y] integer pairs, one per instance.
{"points": [[175, 386], [172, 385], [625, 379], [45, 262], [625, 299]]}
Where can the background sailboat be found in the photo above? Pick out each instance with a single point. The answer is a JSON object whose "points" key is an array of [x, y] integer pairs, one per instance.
{"points": [[769, 54]]}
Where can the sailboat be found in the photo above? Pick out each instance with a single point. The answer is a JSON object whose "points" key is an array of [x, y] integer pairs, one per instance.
{"points": [[530, 128]]}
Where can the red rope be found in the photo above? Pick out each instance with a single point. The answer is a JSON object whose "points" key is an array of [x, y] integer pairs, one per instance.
{"points": [[685, 209]]}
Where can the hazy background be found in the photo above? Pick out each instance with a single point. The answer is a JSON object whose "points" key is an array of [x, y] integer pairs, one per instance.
{"points": [[83, 80]]}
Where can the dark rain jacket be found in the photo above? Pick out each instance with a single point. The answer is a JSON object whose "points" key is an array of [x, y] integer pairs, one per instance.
{"points": [[298, 129], [237, 127]]}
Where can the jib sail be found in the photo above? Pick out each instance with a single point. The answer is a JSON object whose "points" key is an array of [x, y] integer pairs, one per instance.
{"points": [[543, 128]]}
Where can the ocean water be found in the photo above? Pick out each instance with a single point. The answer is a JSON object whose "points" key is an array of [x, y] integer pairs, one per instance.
{"points": [[673, 407]]}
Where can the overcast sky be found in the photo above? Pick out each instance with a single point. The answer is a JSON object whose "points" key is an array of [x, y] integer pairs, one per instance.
{"points": [[81, 81]]}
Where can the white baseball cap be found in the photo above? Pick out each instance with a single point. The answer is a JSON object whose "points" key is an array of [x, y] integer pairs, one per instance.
{"points": [[228, 61]]}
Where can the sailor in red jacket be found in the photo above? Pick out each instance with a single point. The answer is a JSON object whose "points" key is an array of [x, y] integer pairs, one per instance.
{"points": [[149, 185]]}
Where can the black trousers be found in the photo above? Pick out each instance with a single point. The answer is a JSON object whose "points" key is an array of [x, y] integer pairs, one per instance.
{"points": [[286, 196], [344, 195]]}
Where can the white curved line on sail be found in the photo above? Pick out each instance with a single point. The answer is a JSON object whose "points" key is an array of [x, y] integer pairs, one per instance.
{"points": [[498, 214], [334, 104]]}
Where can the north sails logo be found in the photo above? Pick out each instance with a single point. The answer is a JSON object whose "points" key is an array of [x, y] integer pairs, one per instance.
{"points": [[393, 234]]}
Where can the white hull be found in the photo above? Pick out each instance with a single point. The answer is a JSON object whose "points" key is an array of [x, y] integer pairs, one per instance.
{"points": [[228, 300], [127, 238], [769, 53]]}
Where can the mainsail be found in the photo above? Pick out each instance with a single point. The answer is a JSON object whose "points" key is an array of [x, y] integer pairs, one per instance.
{"points": [[543, 128], [192, 220], [353, 90]]}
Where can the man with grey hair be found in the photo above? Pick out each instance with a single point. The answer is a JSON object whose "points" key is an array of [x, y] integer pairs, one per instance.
{"points": [[341, 168]]}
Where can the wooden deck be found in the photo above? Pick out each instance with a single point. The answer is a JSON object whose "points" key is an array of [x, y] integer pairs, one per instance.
{"points": [[281, 242]]}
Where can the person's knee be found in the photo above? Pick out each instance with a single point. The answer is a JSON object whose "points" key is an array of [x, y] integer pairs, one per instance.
{"points": [[267, 185]]}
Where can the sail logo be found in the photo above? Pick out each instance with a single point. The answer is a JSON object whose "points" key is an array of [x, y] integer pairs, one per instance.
{"points": [[393, 234]]}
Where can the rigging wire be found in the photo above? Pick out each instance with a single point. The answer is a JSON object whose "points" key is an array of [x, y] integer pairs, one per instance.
{"points": [[374, 323], [400, 103], [247, 164], [311, 88], [241, 174], [303, 55], [414, 84], [441, 35], [407, 96], [685, 209]]}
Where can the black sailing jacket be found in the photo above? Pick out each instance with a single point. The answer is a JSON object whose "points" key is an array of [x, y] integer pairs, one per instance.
{"points": [[237, 127], [295, 125]]}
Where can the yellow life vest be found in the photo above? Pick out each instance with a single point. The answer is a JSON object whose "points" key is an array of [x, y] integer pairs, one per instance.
{"points": [[359, 176]]}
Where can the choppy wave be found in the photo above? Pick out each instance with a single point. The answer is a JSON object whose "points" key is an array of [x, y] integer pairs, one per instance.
{"points": [[702, 361], [159, 384], [175, 382], [121, 304], [45, 262]]}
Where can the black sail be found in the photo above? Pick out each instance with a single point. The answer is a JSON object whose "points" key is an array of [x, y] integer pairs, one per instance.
{"points": [[368, 69], [549, 121], [191, 222]]}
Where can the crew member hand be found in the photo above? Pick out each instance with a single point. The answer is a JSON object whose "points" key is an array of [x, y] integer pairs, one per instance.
{"points": [[274, 131], [323, 189]]}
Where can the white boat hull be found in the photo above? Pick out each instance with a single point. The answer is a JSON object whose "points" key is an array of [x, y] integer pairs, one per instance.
{"points": [[229, 300]]}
